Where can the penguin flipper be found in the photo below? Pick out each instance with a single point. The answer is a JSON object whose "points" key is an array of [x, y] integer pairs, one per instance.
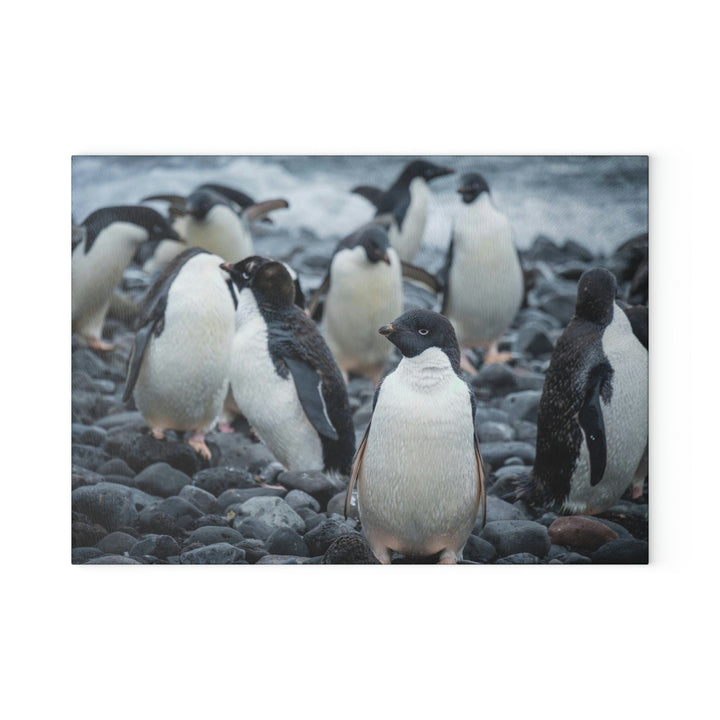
{"points": [[138, 352], [590, 418], [79, 233], [355, 471], [638, 317], [413, 272], [444, 277], [481, 479], [237, 196], [261, 209], [369, 192], [308, 384], [313, 306]]}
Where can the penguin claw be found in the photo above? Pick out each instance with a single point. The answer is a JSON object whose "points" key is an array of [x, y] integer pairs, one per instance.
{"points": [[97, 344], [197, 442], [225, 427], [157, 433]]}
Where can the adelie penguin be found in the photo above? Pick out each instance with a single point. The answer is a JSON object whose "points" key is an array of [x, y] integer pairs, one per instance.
{"points": [[593, 414], [178, 370], [404, 205], [102, 248], [217, 219], [283, 376], [482, 275], [418, 469]]}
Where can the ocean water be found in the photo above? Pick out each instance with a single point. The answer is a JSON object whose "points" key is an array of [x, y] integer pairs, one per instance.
{"points": [[599, 201]]}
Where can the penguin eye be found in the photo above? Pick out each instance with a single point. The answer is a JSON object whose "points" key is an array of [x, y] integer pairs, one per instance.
{"points": [[423, 331], [245, 276]]}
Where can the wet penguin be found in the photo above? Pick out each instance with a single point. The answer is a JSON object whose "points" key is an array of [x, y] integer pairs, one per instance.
{"points": [[483, 278], [283, 376], [363, 290], [418, 468], [102, 248], [178, 370], [593, 414], [404, 205], [217, 219]]}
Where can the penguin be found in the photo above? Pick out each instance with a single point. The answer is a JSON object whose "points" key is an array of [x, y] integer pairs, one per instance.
{"points": [[592, 429], [216, 218], [404, 205], [283, 376], [418, 468], [363, 288], [179, 364], [483, 279], [102, 248]]}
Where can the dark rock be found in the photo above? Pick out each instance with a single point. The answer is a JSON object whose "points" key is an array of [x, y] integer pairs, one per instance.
{"points": [[319, 539], [525, 431], [116, 466], [495, 432], [285, 541], [297, 499], [543, 248], [140, 450], [494, 455], [88, 362], [337, 505], [159, 546], [235, 450], [142, 499], [498, 509], [116, 543], [270, 472], [271, 510], [580, 533], [106, 504], [279, 560], [528, 380], [478, 550], [622, 532], [210, 521], [212, 534], [82, 476], [561, 307], [162, 480], [113, 560], [311, 518], [85, 533], [131, 420], [236, 496], [509, 537], [252, 528], [182, 512], [490, 414], [523, 558], [349, 550], [522, 405], [537, 317], [494, 380], [312, 482], [87, 407], [576, 251], [217, 554], [81, 555], [200, 498], [533, 340], [87, 435], [254, 549], [561, 555], [88, 456], [152, 521], [218, 480], [621, 552]]}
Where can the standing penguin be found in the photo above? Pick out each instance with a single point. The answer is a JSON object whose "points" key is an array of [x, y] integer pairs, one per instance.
{"points": [[418, 468], [593, 413], [364, 289], [218, 219], [405, 205], [178, 371], [102, 248], [483, 278], [283, 376]]}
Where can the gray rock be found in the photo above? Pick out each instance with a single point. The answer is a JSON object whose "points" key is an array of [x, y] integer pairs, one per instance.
{"points": [[217, 480], [87, 435], [116, 466], [81, 555], [622, 552], [116, 543], [525, 431], [200, 498], [250, 528], [349, 550], [533, 340], [236, 496], [162, 480], [498, 509], [279, 560], [82, 476], [270, 472], [494, 380], [495, 454], [312, 519], [86, 361], [484, 413], [211, 534], [159, 546], [218, 554], [319, 539], [478, 550], [106, 504], [576, 251], [312, 482], [509, 537], [272, 510], [523, 558], [337, 505], [522, 405], [561, 307], [561, 555], [285, 541], [142, 499], [491, 431], [241, 452], [622, 532], [88, 456], [543, 248], [297, 499], [179, 509], [131, 418], [254, 549], [113, 560]]}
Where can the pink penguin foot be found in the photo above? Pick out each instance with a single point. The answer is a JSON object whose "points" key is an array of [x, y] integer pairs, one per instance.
{"points": [[98, 344], [197, 442], [494, 357], [157, 433], [637, 492], [225, 427]]}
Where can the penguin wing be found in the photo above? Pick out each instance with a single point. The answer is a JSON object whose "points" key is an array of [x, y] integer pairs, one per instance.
{"points": [[413, 272], [590, 418], [444, 276], [237, 196], [314, 311], [79, 233], [370, 192], [308, 384], [142, 338], [638, 317], [478, 459]]}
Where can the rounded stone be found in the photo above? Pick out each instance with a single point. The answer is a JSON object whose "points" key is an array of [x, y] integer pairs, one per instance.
{"points": [[285, 541], [349, 550], [116, 543], [621, 552], [218, 554], [324, 534], [106, 504], [272, 510], [510, 537], [580, 533], [297, 499], [217, 480], [211, 534], [162, 480], [159, 546], [202, 499]]}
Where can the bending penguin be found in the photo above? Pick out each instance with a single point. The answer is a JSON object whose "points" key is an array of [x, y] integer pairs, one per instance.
{"points": [[404, 205], [217, 219], [178, 370], [283, 376], [483, 279], [418, 469], [102, 248], [593, 413]]}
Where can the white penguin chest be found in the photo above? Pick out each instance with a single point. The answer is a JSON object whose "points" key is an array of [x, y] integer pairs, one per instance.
{"points": [[221, 232]]}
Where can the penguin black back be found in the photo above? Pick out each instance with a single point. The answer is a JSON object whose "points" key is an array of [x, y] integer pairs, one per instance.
{"points": [[297, 349]]}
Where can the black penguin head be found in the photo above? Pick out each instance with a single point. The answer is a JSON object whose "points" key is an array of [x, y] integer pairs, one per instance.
{"points": [[375, 242], [472, 185], [268, 279], [425, 170], [596, 296], [155, 225], [417, 330], [162, 230], [201, 202]]}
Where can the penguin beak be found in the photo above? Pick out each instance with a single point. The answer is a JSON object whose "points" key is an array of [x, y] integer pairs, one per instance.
{"points": [[385, 258], [462, 190], [387, 330], [439, 172], [226, 267]]}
